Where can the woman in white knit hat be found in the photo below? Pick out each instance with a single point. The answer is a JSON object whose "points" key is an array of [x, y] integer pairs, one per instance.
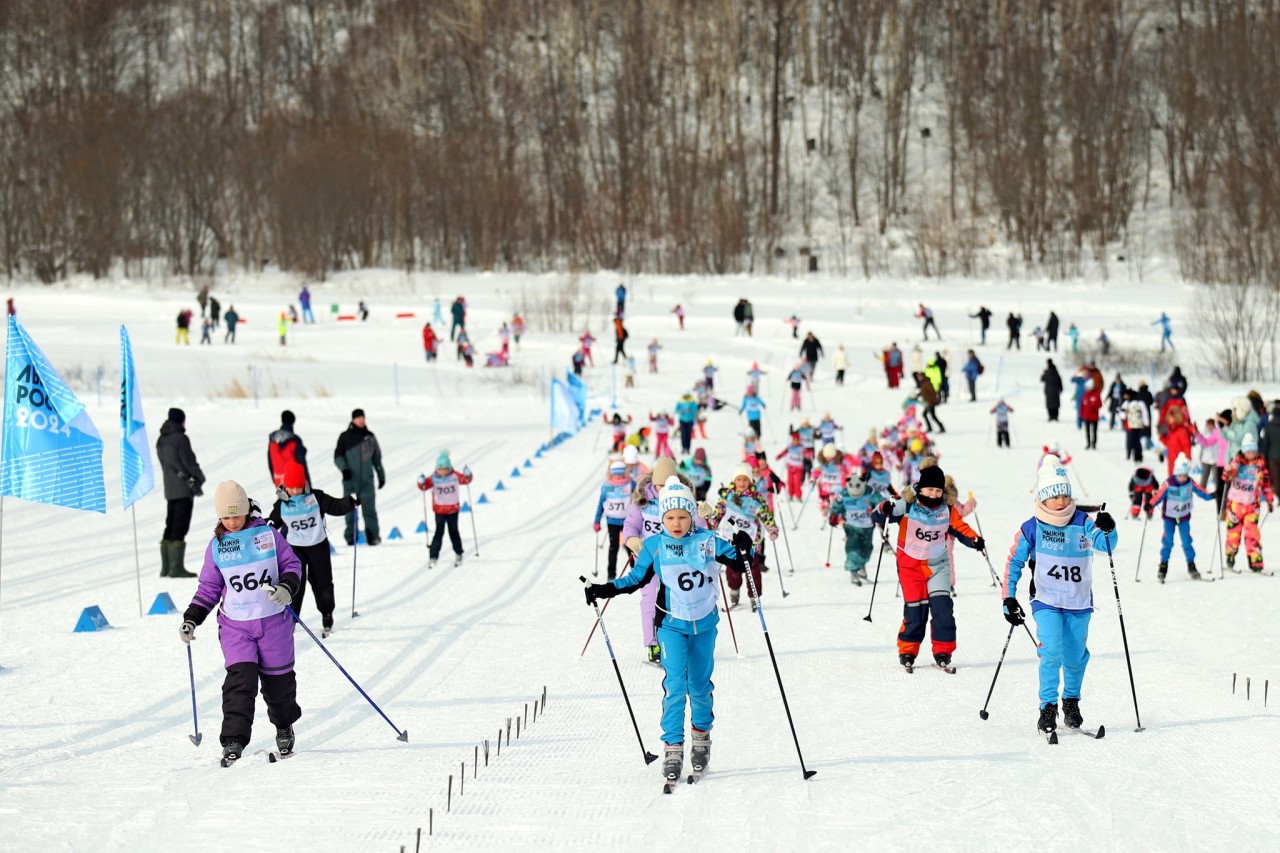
{"points": [[681, 558], [1058, 543]]}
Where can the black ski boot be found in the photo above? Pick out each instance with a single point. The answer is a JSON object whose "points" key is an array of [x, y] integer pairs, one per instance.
{"points": [[1048, 717], [1071, 713], [943, 660], [1164, 570], [284, 741], [673, 761], [908, 662], [700, 751], [231, 753], [1191, 570], [733, 598]]}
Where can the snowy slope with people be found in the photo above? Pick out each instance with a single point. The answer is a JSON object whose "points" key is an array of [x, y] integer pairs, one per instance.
{"points": [[96, 751]]}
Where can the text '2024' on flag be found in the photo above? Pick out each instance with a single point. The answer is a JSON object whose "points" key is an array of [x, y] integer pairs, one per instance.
{"points": [[137, 474], [52, 450]]}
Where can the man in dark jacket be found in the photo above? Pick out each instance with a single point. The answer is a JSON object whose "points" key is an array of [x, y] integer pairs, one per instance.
{"points": [[1052, 382], [458, 312], [984, 321], [183, 481], [284, 446], [1015, 330], [359, 458], [811, 350], [1051, 332]]}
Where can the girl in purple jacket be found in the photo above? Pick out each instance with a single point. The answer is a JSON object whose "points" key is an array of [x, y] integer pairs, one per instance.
{"points": [[252, 574]]}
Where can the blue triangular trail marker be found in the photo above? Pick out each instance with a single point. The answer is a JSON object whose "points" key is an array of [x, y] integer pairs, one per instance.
{"points": [[162, 606], [92, 619], [515, 472], [395, 533], [422, 527], [484, 499], [528, 464], [466, 507], [499, 487]]}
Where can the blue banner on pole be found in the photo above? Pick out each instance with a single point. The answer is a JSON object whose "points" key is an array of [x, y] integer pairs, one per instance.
{"points": [[578, 391], [52, 450], [137, 475], [564, 411]]}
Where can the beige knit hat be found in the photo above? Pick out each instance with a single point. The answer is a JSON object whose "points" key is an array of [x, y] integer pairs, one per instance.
{"points": [[230, 499]]}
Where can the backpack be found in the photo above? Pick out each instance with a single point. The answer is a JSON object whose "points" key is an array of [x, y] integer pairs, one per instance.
{"points": [[981, 369]]}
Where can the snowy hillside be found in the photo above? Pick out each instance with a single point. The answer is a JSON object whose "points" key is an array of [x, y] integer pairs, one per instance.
{"points": [[94, 753]]}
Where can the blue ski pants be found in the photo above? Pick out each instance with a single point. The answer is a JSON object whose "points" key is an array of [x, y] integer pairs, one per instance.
{"points": [[1062, 635], [1183, 526], [689, 660]]}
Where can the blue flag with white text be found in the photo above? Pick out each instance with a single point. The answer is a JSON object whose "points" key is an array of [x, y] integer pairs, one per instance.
{"points": [[52, 451], [578, 390], [564, 411], [137, 475]]}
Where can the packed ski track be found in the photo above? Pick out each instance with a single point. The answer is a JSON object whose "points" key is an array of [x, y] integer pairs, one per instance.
{"points": [[94, 748]]}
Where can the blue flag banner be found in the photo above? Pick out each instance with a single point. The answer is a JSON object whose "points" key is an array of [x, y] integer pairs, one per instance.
{"points": [[578, 390], [564, 411], [137, 475], [52, 451]]}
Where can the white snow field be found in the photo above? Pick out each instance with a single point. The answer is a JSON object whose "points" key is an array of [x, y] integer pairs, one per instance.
{"points": [[94, 749]]}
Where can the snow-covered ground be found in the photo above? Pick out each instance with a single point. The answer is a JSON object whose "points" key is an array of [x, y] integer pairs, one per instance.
{"points": [[94, 752]]}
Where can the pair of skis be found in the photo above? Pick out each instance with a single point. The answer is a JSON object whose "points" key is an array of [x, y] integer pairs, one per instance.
{"points": [[950, 668], [1052, 737], [273, 756], [670, 783]]}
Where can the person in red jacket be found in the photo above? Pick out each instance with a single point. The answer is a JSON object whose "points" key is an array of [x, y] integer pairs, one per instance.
{"points": [[1179, 430], [429, 339], [1090, 411], [446, 499]]}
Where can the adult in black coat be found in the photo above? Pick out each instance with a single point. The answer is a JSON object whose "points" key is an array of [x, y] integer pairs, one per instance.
{"points": [[1015, 330], [1051, 333], [984, 321], [1177, 380], [183, 483], [1052, 382], [811, 351]]}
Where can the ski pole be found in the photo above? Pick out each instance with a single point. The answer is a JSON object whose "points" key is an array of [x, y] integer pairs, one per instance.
{"points": [[426, 528], [800, 511], [649, 757], [727, 614], [983, 713], [594, 625], [474, 537], [1123, 634], [595, 571], [195, 719], [785, 541], [884, 540], [751, 582], [400, 735], [978, 522], [1079, 480], [1141, 541], [355, 548], [778, 562], [831, 534]]}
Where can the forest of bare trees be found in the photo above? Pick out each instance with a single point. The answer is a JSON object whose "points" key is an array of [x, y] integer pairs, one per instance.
{"points": [[642, 135]]}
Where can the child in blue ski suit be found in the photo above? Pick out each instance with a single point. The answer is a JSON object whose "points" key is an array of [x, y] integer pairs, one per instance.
{"points": [[854, 504], [615, 501], [1057, 542], [1176, 495], [682, 558]]}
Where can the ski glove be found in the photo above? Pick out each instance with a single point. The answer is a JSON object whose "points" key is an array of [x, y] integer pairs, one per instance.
{"points": [[597, 591], [422, 482], [187, 631], [595, 526], [705, 509], [1013, 612], [280, 595], [742, 541], [833, 520], [382, 482], [1105, 522], [980, 544]]}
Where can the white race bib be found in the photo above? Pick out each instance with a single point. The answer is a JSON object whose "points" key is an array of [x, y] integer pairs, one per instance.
{"points": [[247, 561]]}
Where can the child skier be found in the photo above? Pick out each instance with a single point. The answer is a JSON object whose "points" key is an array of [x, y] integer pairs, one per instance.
{"points": [[446, 497], [853, 505], [1002, 410], [797, 379], [1176, 495], [661, 431], [794, 454], [925, 520], [644, 520], [654, 349], [299, 515], [1057, 542], [808, 439], [828, 476], [1142, 488], [879, 480], [1249, 484], [827, 428], [250, 570], [679, 559], [753, 408], [742, 508], [698, 472], [619, 426], [615, 498]]}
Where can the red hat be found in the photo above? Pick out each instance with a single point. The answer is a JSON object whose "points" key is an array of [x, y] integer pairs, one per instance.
{"points": [[294, 476]]}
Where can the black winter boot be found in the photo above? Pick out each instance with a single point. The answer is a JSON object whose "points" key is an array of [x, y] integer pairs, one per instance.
{"points": [[1164, 570], [1071, 713], [1191, 570], [1048, 717]]}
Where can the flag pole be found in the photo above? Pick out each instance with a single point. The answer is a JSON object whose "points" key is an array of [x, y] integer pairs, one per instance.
{"points": [[137, 560]]}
